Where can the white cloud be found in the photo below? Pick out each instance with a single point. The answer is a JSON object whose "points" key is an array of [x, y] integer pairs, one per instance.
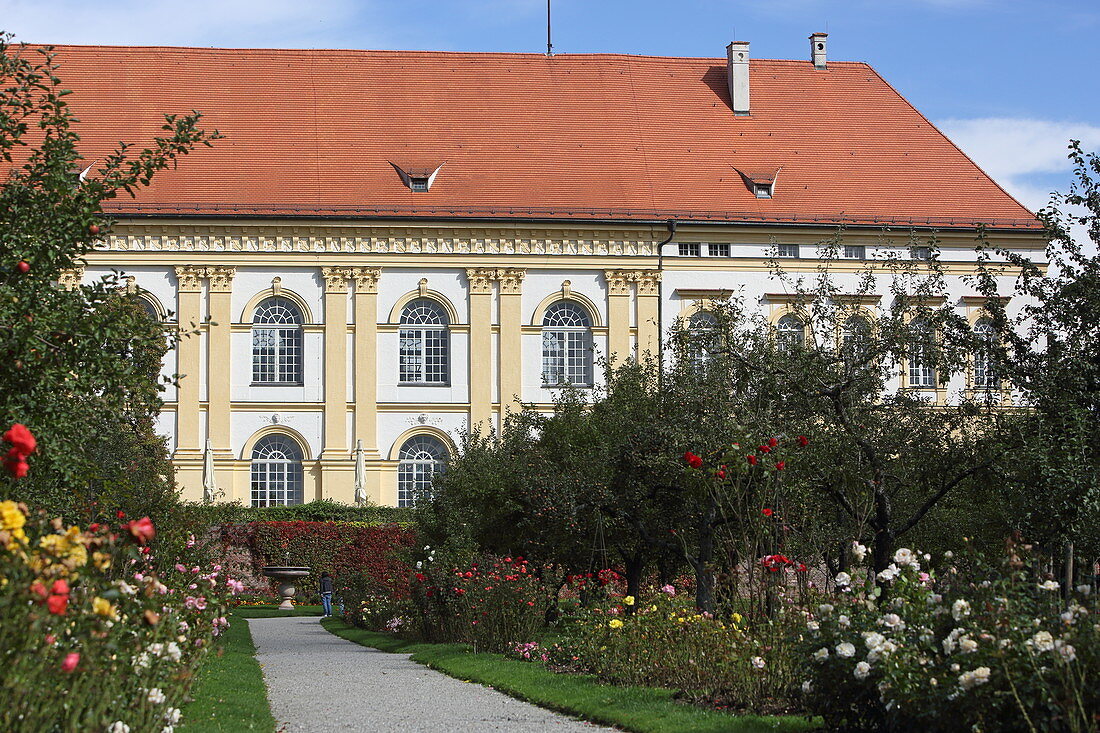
{"points": [[1022, 154]]}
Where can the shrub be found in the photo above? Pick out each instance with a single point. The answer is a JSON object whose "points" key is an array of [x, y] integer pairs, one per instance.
{"points": [[998, 651], [97, 630]]}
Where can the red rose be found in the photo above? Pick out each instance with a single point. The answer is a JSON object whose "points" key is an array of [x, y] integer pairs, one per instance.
{"points": [[23, 266], [764, 449], [693, 460], [752, 460], [38, 589], [93, 527], [71, 660], [15, 463], [21, 439], [420, 577], [780, 465], [801, 567], [803, 441], [768, 512], [468, 574], [141, 529], [121, 514], [57, 604], [773, 442], [60, 587], [720, 474]]}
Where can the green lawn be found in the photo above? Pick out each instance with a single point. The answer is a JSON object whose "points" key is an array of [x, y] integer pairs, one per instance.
{"points": [[229, 692], [641, 709]]}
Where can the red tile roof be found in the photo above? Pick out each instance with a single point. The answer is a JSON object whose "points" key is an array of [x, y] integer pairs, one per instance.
{"points": [[601, 136]]}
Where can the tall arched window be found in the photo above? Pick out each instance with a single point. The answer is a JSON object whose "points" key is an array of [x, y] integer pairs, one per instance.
{"points": [[853, 338], [420, 458], [985, 376], [703, 332], [277, 342], [425, 343], [566, 345], [792, 333], [922, 373], [277, 476]]}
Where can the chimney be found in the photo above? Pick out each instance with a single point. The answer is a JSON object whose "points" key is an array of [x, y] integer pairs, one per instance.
{"points": [[737, 74], [817, 49]]}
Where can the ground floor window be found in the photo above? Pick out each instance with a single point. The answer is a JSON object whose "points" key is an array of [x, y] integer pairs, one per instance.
{"points": [[420, 458], [277, 476]]}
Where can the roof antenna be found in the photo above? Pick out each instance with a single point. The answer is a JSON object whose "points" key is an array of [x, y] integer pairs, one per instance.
{"points": [[549, 45]]}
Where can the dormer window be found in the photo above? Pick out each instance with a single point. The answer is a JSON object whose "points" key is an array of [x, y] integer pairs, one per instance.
{"points": [[760, 182], [418, 184], [762, 190], [417, 176]]}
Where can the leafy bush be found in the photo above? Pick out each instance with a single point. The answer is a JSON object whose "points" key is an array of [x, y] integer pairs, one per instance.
{"points": [[99, 633], [1000, 650]]}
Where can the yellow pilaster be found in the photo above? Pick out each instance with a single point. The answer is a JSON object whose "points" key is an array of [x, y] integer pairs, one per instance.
{"points": [[336, 362], [481, 347], [618, 314], [218, 359], [366, 365], [649, 293], [187, 355], [510, 366]]}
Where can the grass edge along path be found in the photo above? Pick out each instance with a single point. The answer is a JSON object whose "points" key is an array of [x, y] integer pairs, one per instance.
{"points": [[229, 693], [639, 709]]}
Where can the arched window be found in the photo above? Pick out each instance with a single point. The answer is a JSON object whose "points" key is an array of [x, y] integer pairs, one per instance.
{"points": [[566, 345], [985, 376], [922, 373], [703, 333], [853, 338], [149, 307], [276, 471], [425, 343], [420, 458], [792, 333], [277, 342]]}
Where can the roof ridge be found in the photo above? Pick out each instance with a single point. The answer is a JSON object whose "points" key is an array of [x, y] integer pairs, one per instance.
{"points": [[533, 55]]}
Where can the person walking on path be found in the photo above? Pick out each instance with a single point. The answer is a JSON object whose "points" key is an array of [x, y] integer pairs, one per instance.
{"points": [[326, 593]]}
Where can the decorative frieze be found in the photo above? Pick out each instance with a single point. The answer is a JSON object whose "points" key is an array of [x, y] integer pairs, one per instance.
{"points": [[380, 241]]}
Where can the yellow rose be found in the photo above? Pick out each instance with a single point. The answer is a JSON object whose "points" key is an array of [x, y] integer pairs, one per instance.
{"points": [[737, 618], [11, 517], [615, 623], [103, 607], [628, 601]]}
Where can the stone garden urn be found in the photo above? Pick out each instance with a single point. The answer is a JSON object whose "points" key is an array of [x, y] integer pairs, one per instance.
{"points": [[285, 575]]}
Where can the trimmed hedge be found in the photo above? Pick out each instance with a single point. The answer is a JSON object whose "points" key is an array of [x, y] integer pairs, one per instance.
{"points": [[347, 550]]}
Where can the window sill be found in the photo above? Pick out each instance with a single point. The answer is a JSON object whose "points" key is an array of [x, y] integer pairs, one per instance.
{"points": [[423, 384], [563, 385], [276, 384]]}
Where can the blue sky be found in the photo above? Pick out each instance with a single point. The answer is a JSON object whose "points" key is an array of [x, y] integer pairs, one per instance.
{"points": [[1009, 81]]}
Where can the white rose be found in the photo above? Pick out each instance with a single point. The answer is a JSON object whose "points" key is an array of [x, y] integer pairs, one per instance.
{"points": [[873, 639], [1049, 585], [807, 687], [862, 670], [1066, 650], [904, 556], [858, 551], [758, 662], [893, 621], [967, 645], [843, 580], [821, 654], [825, 609], [812, 625], [974, 678], [1084, 589], [845, 649], [1042, 641], [155, 696], [118, 727], [960, 609], [843, 622]]}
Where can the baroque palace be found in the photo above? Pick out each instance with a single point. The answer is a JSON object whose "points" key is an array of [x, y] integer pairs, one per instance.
{"points": [[388, 248]]}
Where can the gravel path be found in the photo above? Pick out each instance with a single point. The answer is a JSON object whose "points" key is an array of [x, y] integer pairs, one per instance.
{"points": [[317, 681]]}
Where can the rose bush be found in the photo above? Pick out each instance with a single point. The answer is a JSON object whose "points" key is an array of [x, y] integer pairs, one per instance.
{"points": [[98, 632], [997, 649]]}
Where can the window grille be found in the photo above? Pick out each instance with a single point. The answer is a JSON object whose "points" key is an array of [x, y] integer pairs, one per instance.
{"points": [[921, 371], [853, 339], [566, 346], [855, 252], [718, 250], [985, 376], [277, 476], [424, 343], [792, 333], [418, 184], [762, 190], [920, 253], [420, 458], [277, 342], [787, 250], [703, 332], [690, 249]]}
